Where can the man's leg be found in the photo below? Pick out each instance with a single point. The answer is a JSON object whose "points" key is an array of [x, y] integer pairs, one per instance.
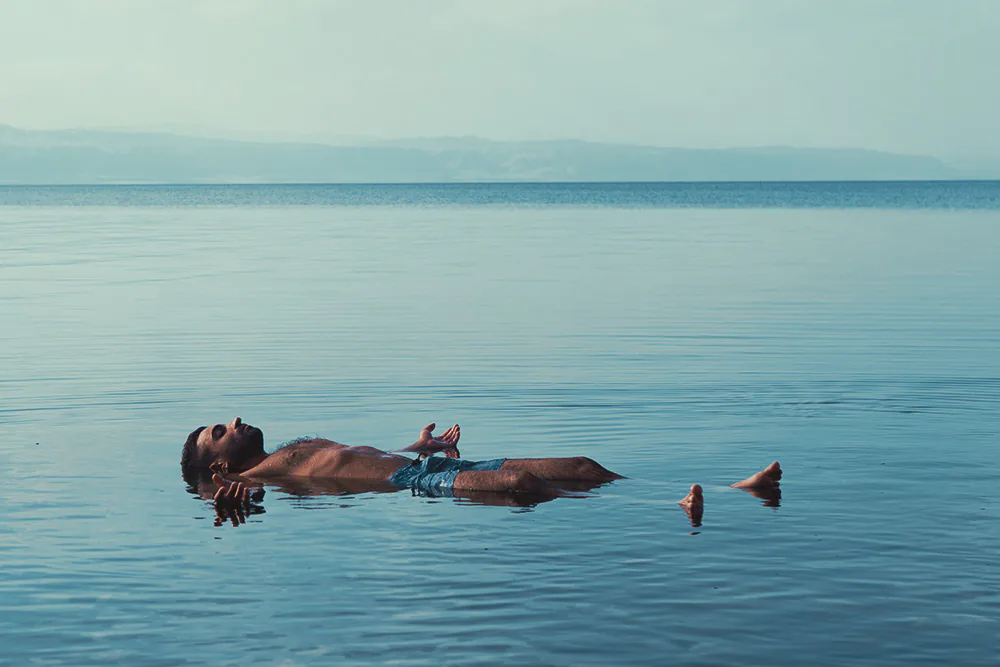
{"points": [[503, 481], [576, 469]]}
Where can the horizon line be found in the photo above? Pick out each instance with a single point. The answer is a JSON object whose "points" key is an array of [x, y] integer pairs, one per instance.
{"points": [[496, 182]]}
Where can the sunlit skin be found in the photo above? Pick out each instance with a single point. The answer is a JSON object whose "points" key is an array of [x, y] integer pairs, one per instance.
{"points": [[693, 504], [428, 445], [238, 448], [766, 479], [694, 498], [764, 485]]}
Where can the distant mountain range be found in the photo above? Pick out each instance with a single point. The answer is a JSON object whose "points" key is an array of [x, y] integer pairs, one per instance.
{"points": [[91, 156]]}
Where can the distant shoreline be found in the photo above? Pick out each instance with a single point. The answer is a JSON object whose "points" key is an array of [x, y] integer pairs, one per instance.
{"points": [[250, 184], [37, 157]]}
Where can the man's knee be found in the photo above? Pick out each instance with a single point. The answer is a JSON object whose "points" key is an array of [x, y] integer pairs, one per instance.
{"points": [[589, 469], [523, 479], [527, 482]]}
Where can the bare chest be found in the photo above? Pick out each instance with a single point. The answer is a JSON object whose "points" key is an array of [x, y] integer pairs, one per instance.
{"points": [[332, 462]]}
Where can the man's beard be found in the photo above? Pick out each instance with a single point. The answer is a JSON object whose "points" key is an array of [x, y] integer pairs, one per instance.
{"points": [[256, 437], [250, 446]]}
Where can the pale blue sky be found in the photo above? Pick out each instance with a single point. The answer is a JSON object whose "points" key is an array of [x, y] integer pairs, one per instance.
{"points": [[912, 76]]}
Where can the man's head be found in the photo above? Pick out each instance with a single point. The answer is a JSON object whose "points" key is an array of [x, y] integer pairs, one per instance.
{"points": [[240, 445]]}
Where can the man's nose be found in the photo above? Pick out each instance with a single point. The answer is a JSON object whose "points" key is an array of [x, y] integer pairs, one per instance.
{"points": [[235, 423]]}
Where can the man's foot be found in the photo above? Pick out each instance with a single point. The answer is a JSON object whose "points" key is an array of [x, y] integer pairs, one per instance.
{"points": [[765, 479], [693, 505], [694, 498]]}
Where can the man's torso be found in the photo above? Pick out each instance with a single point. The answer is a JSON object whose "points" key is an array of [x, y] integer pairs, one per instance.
{"points": [[325, 458]]}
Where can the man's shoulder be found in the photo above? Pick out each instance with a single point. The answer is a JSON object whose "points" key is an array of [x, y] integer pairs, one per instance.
{"points": [[302, 457]]}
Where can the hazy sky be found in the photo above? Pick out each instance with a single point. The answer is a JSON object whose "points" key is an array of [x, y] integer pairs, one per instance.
{"points": [[914, 76]]}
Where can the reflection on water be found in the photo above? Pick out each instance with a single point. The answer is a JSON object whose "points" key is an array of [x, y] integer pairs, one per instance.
{"points": [[770, 496], [674, 341], [345, 493], [695, 515]]}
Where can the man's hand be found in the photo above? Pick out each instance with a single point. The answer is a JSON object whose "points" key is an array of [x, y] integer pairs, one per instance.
{"points": [[429, 445], [232, 500]]}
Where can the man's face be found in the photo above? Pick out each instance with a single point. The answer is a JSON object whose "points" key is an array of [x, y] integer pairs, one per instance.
{"points": [[236, 443]]}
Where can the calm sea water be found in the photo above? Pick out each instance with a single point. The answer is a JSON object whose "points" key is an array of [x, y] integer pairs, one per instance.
{"points": [[675, 333]]}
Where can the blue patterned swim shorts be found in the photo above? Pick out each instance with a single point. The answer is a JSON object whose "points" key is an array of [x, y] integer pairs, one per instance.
{"points": [[435, 475]]}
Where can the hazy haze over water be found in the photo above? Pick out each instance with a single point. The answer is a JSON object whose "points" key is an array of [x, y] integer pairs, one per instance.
{"points": [[908, 76]]}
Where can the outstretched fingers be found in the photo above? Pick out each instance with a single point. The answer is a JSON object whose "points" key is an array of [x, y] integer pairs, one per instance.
{"points": [[451, 436], [232, 499], [429, 444], [230, 493]]}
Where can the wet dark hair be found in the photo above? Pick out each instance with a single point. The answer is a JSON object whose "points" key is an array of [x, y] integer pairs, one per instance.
{"points": [[189, 455], [197, 479]]}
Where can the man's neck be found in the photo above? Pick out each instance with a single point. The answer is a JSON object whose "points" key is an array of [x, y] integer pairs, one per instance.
{"points": [[254, 462]]}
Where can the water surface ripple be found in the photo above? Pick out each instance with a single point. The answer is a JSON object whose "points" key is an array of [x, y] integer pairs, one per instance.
{"points": [[857, 344]]}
